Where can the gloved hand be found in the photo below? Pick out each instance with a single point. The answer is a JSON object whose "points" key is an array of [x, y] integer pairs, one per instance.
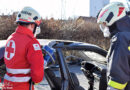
{"points": [[49, 57]]}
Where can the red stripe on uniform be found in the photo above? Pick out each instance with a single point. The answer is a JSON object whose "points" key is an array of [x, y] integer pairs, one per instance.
{"points": [[17, 75]]}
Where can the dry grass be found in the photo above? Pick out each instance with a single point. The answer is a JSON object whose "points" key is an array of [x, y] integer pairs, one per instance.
{"points": [[77, 30], [81, 29]]}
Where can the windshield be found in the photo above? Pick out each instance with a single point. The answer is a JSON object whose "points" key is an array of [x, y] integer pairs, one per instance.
{"points": [[95, 56]]}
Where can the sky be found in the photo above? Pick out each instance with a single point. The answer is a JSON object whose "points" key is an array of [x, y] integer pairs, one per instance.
{"points": [[49, 8]]}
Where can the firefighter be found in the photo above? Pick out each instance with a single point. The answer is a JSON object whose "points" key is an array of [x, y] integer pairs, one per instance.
{"points": [[114, 22], [23, 55]]}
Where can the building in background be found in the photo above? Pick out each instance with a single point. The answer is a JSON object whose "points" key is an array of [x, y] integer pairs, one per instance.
{"points": [[95, 6]]}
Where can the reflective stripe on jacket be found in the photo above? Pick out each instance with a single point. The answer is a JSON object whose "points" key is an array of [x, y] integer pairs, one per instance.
{"points": [[17, 79], [18, 71]]}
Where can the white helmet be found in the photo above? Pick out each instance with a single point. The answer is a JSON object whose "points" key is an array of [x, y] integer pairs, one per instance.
{"points": [[29, 15], [111, 13]]}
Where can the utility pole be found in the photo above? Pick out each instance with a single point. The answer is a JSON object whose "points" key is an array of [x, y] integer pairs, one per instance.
{"points": [[63, 9]]}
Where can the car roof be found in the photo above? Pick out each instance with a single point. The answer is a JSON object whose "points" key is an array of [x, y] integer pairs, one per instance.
{"points": [[52, 42]]}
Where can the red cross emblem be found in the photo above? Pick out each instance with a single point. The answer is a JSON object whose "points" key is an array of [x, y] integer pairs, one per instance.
{"points": [[10, 50]]}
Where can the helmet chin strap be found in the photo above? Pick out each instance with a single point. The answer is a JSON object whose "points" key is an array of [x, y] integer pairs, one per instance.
{"points": [[113, 29], [34, 30]]}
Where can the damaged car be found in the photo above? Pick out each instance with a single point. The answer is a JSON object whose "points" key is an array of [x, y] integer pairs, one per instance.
{"points": [[67, 58]]}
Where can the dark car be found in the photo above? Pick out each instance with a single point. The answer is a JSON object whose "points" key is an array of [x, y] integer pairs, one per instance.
{"points": [[90, 58]]}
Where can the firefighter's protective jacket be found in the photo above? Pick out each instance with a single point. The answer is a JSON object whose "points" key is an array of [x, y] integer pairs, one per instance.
{"points": [[119, 56], [24, 60]]}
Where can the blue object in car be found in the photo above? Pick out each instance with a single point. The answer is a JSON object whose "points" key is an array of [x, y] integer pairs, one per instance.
{"points": [[49, 55]]}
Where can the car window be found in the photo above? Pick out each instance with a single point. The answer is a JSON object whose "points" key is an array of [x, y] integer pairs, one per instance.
{"points": [[71, 55]]}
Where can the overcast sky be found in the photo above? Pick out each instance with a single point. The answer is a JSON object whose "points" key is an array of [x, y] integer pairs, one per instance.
{"points": [[48, 8]]}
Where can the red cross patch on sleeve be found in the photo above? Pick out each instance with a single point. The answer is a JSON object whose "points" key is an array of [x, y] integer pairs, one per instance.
{"points": [[36, 47]]}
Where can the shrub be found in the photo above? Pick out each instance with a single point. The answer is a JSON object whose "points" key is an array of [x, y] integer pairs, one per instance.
{"points": [[84, 29]]}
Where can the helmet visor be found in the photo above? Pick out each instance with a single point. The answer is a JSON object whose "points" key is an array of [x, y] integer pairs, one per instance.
{"points": [[105, 30], [102, 27]]}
